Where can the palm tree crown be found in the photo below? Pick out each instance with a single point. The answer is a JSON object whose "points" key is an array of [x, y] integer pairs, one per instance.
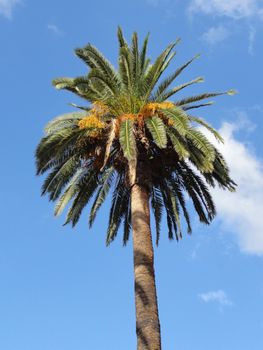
{"points": [[131, 120]]}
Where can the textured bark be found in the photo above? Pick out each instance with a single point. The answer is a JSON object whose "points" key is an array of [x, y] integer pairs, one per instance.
{"points": [[147, 319]]}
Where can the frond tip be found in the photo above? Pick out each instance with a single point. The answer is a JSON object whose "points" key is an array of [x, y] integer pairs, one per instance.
{"points": [[232, 92]]}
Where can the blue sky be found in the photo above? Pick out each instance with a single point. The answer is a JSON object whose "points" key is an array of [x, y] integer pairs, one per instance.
{"points": [[62, 289]]}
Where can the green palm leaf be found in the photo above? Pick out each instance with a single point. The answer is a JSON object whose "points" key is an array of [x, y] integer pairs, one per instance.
{"points": [[122, 41], [69, 193], [120, 202], [157, 206], [156, 70], [64, 121], [54, 146], [136, 69], [204, 96], [179, 118], [173, 91], [158, 96], [208, 127], [125, 68], [127, 139], [202, 143], [61, 175], [95, 59], [107, 84], [179, 143], [102, 192], [127, 223], [186, 108], [111, 137], [157, 130], [168, 204], [175, 185], [86, 187], [143, 52]]}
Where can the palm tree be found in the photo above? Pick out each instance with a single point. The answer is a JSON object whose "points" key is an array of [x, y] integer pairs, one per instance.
{"points": [[132, 142]]}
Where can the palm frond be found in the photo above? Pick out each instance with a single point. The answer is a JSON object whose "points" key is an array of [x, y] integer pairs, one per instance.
{"points": [[89, 89], [208, 127], [157, 206], [136, 69], [178, 142], [83, 108], [155, 71], [108, 85], [60, 176], [170, 217], [186, 108], [96, 60], [173, 91], [198, 193], [125, 68], [196, 98], [200, 141], [179, 118], [85, 190], [80, 88], [143, 60], [220, 174], [175, 185], [64, 121], [127, 223], [119, 206], [56, 148], [64, 83], [199, 160], [158, 95], [127, 139], [176, 214], [110, 139], [122, 41], [70, 191], [157, 130], [105, 184]]}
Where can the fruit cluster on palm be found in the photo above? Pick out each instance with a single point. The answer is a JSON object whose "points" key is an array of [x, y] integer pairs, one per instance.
{"points": [[134, 142]]}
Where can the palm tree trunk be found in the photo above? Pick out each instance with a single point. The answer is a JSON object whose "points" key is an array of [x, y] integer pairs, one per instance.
{"points": [[147, 318]]}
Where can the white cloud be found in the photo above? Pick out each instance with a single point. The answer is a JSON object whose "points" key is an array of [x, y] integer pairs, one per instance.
{"points": [[218, 296], [214, 35], [53, 28], [7, 7], [241, 212], [235, 9], [194, 252]]}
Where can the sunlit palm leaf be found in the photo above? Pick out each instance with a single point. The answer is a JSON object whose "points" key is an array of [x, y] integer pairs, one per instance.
{"points": [[157, 130], [127, 139]]}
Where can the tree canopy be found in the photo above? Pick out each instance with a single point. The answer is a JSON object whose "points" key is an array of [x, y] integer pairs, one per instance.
{"points": [[132, 116]]}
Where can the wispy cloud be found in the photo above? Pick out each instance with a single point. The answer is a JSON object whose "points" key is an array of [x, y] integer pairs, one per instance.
{"points": [[241, 213], [251, 40], [229, 10], [218, 296], [54, 29], [235, 9], [7, 7], [215, 35], [194, 252]]}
